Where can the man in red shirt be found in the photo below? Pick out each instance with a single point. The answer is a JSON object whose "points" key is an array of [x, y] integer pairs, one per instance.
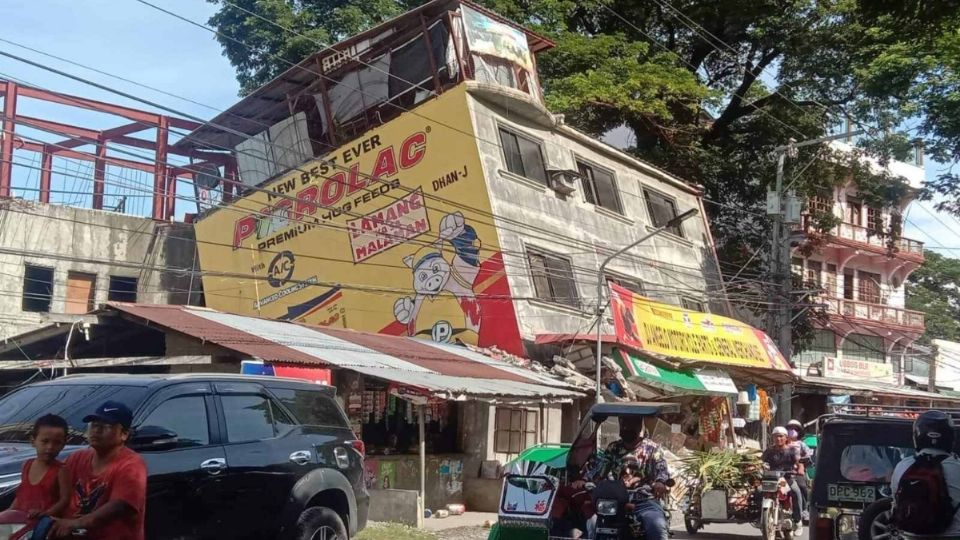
{"points": [[109, 479]]}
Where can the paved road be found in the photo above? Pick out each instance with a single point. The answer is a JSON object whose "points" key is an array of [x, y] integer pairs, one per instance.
{"points": [[723, 531]]}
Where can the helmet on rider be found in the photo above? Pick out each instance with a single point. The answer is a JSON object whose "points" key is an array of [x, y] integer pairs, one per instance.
{"points": [[779, 430], [794, 429], [933, 430]]}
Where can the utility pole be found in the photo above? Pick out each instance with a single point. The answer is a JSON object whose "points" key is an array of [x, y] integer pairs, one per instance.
{"points": [[602, 303], [932, 376], [783, 207]]}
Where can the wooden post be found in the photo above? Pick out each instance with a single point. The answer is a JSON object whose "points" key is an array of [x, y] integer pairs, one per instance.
{"points": [[423, 455]]}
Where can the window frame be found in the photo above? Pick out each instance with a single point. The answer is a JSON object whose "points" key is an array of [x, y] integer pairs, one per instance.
{"points": [[591, 181], [91, 302], [647, 192], [200, 389], [875, 294], [619, 279], [574, 301], [523, 432], [111, 290], [686, 301], [539, 143], [36, 297], [206, 410], [271, 401]]}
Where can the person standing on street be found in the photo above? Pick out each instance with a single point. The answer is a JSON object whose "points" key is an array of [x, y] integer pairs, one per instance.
{"points": [[109, 480]]}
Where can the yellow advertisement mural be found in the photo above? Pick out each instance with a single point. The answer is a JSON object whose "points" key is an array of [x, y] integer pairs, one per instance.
{"points": [[670, 331], [391, 233]]}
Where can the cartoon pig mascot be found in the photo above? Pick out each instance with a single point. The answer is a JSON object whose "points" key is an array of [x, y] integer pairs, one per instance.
{"points": [[450, 265]]}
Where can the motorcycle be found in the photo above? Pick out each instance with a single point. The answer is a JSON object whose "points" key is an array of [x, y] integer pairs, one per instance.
{"points": [[615, 507], [776, 506], [16, 525]]}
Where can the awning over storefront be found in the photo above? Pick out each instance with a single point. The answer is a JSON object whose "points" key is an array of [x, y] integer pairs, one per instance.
{"points": [[861, 388], [702, 381], [419, 367]]}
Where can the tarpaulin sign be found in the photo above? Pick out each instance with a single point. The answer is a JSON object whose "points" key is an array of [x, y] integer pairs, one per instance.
{"points": [[674, 332], [311, 374]]}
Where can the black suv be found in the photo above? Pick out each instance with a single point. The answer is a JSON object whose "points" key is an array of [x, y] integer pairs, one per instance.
{"points": [[228, 456]]}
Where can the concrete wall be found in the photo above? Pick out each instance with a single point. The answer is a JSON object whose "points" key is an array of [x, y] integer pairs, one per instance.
{"points": [[159, 255], [533, 216], [397, 506]]}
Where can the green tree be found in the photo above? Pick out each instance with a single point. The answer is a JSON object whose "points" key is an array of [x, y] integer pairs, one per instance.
{"points": [[934, 288]]}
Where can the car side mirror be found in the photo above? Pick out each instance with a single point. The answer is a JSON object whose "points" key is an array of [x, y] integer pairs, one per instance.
{"points": [[154, 438]]}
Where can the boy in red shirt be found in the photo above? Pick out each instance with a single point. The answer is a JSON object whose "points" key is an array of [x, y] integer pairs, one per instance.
{"points": [[110, 480]]}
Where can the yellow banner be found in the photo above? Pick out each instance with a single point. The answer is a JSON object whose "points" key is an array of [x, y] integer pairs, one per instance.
{"points": [[390, 233], [690, 335]]}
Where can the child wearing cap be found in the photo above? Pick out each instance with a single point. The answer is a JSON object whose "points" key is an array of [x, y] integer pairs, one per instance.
{"points": [[109, 480]]}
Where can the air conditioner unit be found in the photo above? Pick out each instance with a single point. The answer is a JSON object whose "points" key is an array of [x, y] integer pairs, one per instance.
{"points": [[563, 181]]}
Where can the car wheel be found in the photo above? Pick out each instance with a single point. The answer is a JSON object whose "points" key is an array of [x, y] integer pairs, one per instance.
{"points": [[875, 522], [320, 523], [692, 525]]}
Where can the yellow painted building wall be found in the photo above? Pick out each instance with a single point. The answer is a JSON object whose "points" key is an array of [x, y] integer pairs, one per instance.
{"points": [[390, 233]]}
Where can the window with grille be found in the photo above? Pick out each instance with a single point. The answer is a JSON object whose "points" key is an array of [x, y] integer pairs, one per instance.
{"points": [[820, 205], [515, 430], [863, 347], [868, 287], [830, 280], [37, 288], [599, 187], [854, 212], [848, 284], [524, 156], [812, 275], [662, 209], [553, 278], [874, 220]]}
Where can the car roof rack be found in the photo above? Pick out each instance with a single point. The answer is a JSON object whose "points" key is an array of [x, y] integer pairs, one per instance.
{"points": [[861, 411]]}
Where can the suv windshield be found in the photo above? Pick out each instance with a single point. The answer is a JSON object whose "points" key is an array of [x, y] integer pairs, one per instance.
{"points": [[20, 409]]}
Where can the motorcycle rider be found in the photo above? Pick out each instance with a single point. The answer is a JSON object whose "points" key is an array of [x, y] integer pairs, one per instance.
{"points": [[933, 438], [781, 456], [795, 439], [646, 456]]}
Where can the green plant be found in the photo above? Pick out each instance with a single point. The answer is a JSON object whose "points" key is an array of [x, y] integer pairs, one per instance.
{"points": [[721, 469], [394, 531]]}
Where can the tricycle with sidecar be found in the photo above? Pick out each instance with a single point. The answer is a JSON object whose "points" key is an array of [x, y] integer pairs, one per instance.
{"points": [[541, 498]]}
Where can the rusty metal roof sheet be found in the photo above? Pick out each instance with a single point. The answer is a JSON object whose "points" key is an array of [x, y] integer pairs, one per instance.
{"points": [[449, 371]]}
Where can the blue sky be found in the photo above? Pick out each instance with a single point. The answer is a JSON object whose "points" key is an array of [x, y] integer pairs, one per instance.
{"points": [[127, 38]]}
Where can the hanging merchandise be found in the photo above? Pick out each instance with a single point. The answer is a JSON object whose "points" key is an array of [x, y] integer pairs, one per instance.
{"points": [[713, 413], [766, 414]]}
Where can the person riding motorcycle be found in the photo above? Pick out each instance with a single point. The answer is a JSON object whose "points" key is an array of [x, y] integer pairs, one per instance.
{"points": [[647, 467], [781, 456], [933, 439], [795, 434]]}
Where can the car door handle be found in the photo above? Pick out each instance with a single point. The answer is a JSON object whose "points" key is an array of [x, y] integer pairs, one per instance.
{"points": [[302, 457], [214, 466]]}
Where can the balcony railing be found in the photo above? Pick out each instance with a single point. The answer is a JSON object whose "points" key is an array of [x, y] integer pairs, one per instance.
{"points": [[868, 237], [863, 235], [874, 312]]}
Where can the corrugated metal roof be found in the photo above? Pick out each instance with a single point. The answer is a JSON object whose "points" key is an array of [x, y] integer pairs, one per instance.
{"points": [[852, 386], [446, 370]]}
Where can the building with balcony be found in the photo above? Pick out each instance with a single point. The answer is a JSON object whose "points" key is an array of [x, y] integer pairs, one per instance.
{"points": [[859, 271]]}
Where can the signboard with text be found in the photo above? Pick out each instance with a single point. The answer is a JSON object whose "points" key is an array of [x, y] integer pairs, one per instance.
{"points": [[675, 332], [862, 370]]}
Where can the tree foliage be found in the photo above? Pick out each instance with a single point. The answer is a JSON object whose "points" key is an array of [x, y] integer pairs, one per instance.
{"points": [[934, 288], [707, 88]]}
